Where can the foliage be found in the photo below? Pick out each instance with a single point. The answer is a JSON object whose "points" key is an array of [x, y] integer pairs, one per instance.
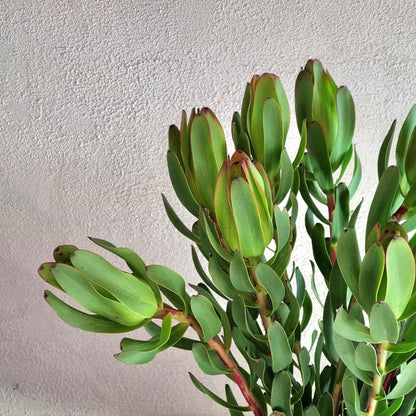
{"points": [[361, 361]]}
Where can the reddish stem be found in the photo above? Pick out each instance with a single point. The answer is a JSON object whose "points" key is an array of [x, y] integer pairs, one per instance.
{"points": [[219, 348]]}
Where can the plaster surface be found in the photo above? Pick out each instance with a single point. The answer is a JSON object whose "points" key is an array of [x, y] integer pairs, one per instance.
{"points": [[88, 90]]}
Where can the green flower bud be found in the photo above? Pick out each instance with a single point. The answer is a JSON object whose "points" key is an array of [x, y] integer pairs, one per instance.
{"points": [[119, 301], [200, 149], [243, 205], [265, 120], [318, 99]]}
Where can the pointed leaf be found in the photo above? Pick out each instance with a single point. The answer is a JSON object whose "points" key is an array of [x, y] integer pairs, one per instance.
{"points": [[381, 206], [84, 321], [129, 290], [204, 361], [346, 125], [342, 211], [384, 153], [318, 155], [286, 177], [217, 399], [83, 292], [177, 222], [180, 184], [366, 357], [273, 131], [171, 284], [406, 383]]}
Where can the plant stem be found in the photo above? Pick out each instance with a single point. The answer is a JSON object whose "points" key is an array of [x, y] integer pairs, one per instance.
{"points": [[219, 348], [378, 379], [331, 210], [238, 377], [262, 302]]}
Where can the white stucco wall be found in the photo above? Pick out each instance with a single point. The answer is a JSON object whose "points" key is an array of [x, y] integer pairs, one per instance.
{"points": [[88, 90]]}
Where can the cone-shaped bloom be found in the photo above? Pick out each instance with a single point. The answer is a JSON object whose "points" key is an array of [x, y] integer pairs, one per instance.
{"points": [[243, 206], [265, 119], [318, 99], [198, 151]]}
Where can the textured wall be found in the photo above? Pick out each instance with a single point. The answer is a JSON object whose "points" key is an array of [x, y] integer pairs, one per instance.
{"points": [[88, 90]]}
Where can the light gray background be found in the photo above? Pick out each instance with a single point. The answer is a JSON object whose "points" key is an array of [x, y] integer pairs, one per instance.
{"points": [[88, 90]]}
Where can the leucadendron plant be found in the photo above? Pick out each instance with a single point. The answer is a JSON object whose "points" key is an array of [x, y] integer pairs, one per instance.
{"points": [[359, 359]]}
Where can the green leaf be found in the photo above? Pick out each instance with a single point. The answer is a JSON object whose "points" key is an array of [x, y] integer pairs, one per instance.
{"points": [[350, 328], [366, 357], [406, 383], [345, 349], [216, 398], [231, 399], [381, 206], [203, 275], [62, 254], [383, 324], [283, 229], [318, 155], [46, 274], [129, 290], [205, 314], [342, 211], [302, 146], [311, 411], [177, 223], [206, 362], [171, 284], [247, 219], [212, 235], [356, 175], [402, 348], [225, 322], [320, 251], [273, 135], [402, 146], [324, 105], [271, 283], [384, 153], [84, 293], [410, 309], [180, 184], [371, 272], [346, 125], [349, 260], [337, 288], [135, 358], [84, 321], [286, 177], [154, 344], [400, 267], [239, 275], [307, 198], [281, 393], [133, 261], [221, 278], [326, 405], [303, 98], [391, 410], [410, 203], [279, 347]]}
